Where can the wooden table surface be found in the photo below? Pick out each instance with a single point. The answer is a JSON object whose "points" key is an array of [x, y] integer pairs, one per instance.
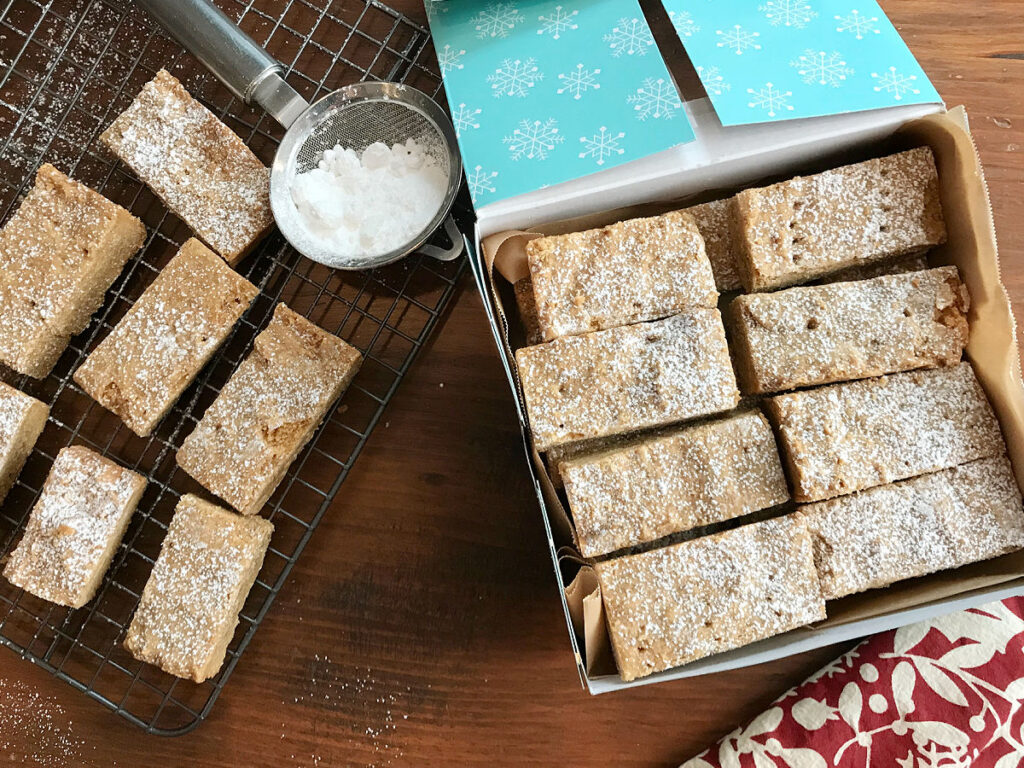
{"points": [[422, 624]]}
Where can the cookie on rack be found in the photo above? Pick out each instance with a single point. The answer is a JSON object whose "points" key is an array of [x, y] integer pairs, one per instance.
{"points": [[141, 368], [59, 253], [22, 419], [190, 605], [75, 527], [203, 172], [268, 410]]}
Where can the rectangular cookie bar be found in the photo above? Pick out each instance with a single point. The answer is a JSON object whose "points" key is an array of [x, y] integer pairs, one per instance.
{"points": [[268, 410], [190, 605], [915, 527], [806, 227], [636, 270], [714, 221], [677, 604], [59, 253], [75, 527], [203, 172], [819, 334], [165, 339], [627, 378], [687, 478], [22, 419], [847, 437]]}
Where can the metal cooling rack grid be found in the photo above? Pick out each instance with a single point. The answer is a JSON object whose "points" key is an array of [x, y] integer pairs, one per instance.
{"points": [[67, 68]]}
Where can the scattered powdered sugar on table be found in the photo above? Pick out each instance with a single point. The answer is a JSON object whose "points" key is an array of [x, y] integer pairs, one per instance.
{"points": [[366, 205], [363, 711], [30, 720]]}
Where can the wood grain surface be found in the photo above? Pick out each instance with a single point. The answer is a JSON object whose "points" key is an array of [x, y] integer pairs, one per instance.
{"points": [[422, 625]]}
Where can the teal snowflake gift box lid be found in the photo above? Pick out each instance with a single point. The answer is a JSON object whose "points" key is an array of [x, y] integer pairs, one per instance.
{"points": [[767, 60], [542, 92], [547, 92]]}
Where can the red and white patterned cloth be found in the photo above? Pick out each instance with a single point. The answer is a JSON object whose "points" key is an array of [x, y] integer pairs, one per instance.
{"points": [[944, 693]]}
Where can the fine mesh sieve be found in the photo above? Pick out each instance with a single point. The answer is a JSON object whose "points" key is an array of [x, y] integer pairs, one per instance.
{"points": [[364, 123], [353, 117], [356, 117]]}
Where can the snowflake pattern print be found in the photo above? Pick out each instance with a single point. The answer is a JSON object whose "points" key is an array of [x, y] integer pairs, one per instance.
{"points": [[857, 25], [683, 23], [788, 13], [515, 78], [497, 20], [894, 83], [602, 145], [465, 119], [630, 37], [655, 99], [579, 81], [820, 68], [712, 80], [534, 140], [449, 58], [738, 40], [770, 98], [535, 88], [481, 181], [558, 22]]}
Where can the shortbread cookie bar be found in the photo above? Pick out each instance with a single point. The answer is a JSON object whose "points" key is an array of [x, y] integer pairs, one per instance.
{"points": [[811, 335], [714, 221], [636, 270], [528, 310], [165, 339], [190, 605], [268, 410], [847, 437], [75, 527], [627, 378], [806, 227], [201, 170], [673, 605], [687, 478], [59, 253], [22, 419], [943, 520]]}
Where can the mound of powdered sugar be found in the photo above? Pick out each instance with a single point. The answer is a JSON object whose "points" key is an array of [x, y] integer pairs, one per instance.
{"points": [[356, 205]]}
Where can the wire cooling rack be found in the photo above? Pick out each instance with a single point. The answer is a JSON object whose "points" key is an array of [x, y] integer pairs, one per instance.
{"points": [[67, 68]]}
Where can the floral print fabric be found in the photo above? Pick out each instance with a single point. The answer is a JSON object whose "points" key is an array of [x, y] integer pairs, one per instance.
{"points": [[944, 693]]}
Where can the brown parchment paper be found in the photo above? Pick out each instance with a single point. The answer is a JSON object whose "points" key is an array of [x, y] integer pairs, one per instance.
{"points": [[992, 348]]}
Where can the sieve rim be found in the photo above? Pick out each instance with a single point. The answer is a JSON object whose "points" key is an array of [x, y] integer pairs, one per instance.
{"points": [[283, 168]]}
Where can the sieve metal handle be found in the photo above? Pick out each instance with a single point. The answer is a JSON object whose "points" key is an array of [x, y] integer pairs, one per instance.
{"points": [[452, 252], [249, 72]]}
